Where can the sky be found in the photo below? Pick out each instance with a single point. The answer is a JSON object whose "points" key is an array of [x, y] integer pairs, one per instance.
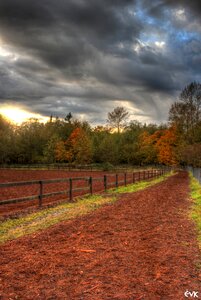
{"points": [[89, 56]]}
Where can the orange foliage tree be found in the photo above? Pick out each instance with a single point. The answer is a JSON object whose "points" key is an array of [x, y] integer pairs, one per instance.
{"points": [[60, 152], [147, 144], [159, 147], [79, 146], [166, 147]]}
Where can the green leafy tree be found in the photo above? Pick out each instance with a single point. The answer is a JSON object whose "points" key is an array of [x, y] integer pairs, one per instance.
{"points": [[50, 149], [7, 142], [108, 149], [31, 140]]}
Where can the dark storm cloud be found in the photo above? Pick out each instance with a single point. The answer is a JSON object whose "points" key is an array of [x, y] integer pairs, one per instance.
{"points": [[66, 35], [88, 56], [156, 8], [193, 5], [45, 23]]}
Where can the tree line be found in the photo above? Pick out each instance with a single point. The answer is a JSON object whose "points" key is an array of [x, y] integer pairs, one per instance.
{"points": [[118, 142]]}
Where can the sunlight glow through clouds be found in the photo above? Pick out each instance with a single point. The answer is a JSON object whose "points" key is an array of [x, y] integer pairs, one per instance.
{"points": [[155, 44], [160, 44], [5, 52], [180, 14], [19, 115]]}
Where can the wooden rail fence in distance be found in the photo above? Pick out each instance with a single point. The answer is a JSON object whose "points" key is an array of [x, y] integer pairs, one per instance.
{"points": [[128, 179]]}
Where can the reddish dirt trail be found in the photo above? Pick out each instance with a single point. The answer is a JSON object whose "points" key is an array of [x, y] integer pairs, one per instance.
{"points": [[141, 247]]}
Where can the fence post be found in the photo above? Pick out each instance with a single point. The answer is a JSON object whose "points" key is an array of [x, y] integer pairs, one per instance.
{"points": [[71, 189], [125, 176], [116, 180], [41, 193], [133, 177], [105, 182], [90, 185]]}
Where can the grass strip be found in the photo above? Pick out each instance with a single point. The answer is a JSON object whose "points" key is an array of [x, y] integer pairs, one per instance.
{"points": [[131, 188], [15, 228], [195, 213]]}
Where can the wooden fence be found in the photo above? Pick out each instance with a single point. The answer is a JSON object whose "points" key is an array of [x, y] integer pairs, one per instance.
{"points": [[195, 171], [73, 167], [56, 166], [128, 178]]}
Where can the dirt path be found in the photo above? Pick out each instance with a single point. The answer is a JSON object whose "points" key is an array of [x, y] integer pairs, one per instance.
{"points": [[141, 247]]}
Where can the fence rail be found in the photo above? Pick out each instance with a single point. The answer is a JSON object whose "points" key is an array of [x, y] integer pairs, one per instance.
{"points": [[196, 172], [128, 178], [78, 167]]}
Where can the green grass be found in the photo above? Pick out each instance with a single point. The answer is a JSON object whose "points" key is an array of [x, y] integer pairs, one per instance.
{"points": [[195, 213], [15, 228], [131, 188]]}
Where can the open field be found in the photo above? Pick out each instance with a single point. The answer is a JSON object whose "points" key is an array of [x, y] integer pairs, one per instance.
{"points": [[10, 175], [143, 246], [34, 188]]}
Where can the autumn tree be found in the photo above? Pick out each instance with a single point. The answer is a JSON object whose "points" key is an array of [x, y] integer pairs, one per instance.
{"points": [[60, 152], [117, 118], [79, 146], [147, 145], [166, 147]]}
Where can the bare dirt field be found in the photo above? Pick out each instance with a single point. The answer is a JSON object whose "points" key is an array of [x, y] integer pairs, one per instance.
{"points": [[142, 247], [29, 190], [10, 175]]}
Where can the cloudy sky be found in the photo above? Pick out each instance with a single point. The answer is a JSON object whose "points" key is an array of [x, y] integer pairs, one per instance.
{"points": [[89, 56]]}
